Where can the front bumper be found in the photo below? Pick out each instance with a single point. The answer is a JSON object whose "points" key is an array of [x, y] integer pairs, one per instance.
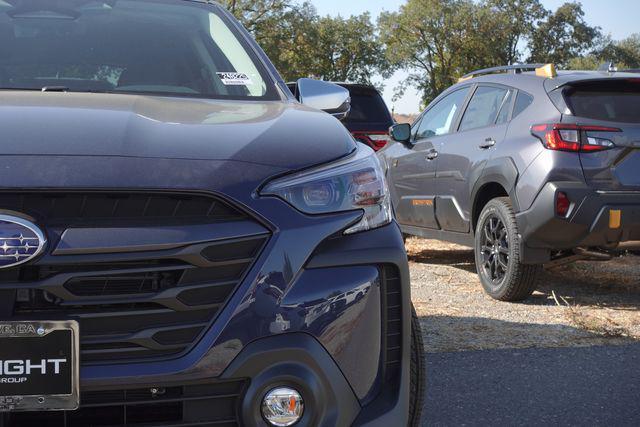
{"points": [[306, 264], [335, 324], [592, 220]]}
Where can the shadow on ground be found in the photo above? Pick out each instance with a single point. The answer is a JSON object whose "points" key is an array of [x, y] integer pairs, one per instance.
{"points": [[614, 284], [452, 334], [457, 258], [601, 300]]}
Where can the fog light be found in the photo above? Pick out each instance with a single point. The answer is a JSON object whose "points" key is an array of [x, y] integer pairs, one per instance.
{"points": [[282, 407]]}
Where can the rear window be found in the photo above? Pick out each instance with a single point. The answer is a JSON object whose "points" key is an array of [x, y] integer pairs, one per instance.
{"points": [[614, 100], [368, 108]]}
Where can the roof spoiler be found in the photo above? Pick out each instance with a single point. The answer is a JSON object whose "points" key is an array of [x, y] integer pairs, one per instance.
{"points": [[542, 70]]}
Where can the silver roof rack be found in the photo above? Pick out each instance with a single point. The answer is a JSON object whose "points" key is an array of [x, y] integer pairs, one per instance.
{"points": [[515, 69]]}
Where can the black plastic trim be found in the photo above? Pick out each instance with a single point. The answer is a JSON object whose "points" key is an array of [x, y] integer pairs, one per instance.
{"points": [[296, 360]]}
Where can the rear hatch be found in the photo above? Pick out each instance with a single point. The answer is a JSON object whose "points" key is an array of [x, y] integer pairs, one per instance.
{"points": [[609, 111], [369, 120]]}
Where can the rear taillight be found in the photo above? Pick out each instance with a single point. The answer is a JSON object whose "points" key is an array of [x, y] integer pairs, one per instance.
{"points": [[574, 138], [375, 140]]}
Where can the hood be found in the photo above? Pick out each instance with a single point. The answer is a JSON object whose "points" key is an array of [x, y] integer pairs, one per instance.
{"points": [[280, 134]]}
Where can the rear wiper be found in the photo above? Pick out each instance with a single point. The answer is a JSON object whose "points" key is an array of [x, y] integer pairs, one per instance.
{"points": [[54, 89]]}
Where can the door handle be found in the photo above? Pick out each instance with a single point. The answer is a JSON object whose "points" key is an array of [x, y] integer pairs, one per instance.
{"points": [[488, 143], [432, 155]]}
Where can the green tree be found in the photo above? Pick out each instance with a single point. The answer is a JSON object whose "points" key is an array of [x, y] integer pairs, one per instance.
{"points": [[514, 22], [585, 62], [302, 44], [436, 40], [255, 13], [624, 53], [562, 36], [286, 41], [347, 50]]}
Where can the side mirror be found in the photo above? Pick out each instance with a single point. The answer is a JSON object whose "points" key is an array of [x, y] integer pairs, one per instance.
{"points": [[325, 96], [401, 133]]}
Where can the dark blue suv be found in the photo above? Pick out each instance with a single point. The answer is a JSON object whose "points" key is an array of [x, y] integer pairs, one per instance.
{"points": [[181, 241]]}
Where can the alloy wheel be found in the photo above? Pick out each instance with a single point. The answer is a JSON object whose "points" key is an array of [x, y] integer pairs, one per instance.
{"points": [[495, 249]]}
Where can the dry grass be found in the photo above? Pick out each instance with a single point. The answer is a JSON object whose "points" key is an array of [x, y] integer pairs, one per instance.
{"points": [[578, 305]]}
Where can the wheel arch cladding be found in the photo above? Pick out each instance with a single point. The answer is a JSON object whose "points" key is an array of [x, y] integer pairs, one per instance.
{"points": [[498, 180]]}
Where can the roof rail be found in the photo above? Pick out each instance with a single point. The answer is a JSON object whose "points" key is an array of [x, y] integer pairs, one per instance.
{"points": [[515, 69]]}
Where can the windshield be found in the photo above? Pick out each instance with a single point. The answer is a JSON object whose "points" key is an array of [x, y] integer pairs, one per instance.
{"points": [[127, 46]]}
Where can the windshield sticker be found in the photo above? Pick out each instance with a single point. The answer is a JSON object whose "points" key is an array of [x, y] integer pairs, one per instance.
{"points": [[235, 79]]}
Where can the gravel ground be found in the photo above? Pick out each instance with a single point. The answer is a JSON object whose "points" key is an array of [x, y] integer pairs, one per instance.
{"points": [[584, 304]]}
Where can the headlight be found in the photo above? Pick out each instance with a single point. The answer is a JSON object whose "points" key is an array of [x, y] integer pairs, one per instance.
{"points": [[350, 184]]}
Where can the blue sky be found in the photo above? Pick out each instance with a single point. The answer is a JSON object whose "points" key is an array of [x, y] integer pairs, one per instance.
{"points": [[619, 18]]}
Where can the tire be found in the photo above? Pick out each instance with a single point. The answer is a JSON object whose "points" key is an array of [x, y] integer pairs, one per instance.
{"points": [[497, 252], [418, 373]]}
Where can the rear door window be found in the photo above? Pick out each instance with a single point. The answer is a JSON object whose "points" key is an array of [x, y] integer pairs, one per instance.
{"points": [[612, 100], [484, 107]]}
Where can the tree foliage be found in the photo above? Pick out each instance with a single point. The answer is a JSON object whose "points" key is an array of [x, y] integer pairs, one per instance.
{"points": [[562, 36], [436, 41], [302, 44], [441, 40]]}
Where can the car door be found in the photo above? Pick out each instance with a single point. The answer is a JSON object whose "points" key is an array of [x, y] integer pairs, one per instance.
{"points": [[413, 166], [463, 155]]}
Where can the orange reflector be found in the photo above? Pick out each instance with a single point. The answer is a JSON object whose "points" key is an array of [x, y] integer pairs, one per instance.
{"points": [[422, 202], [615, 219]]}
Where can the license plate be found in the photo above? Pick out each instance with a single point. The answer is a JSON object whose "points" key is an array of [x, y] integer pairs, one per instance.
{"points": [[39, 366]]}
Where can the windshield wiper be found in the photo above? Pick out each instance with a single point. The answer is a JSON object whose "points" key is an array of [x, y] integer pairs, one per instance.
{"points": [[36, 89]]}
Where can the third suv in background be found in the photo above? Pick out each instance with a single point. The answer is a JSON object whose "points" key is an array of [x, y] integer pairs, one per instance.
{"points": [[369, 119], [527, 165]]}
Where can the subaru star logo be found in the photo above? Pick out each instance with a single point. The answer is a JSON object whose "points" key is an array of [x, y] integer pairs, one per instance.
{"points": [[20, 241]]}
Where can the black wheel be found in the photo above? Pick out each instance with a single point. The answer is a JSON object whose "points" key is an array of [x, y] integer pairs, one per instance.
{"points": [[418, 372], [497, 252]]}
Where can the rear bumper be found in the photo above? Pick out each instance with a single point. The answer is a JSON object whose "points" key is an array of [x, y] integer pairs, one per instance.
{"points": [[591, 221]]}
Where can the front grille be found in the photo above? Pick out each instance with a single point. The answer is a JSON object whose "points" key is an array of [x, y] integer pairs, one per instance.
{"points": [[133, 305], [392, 314], [64, 207], [154, 310], [202, 405]]}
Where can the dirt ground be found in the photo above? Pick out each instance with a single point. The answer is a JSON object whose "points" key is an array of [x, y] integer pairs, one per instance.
{"points": [[583, 304]]}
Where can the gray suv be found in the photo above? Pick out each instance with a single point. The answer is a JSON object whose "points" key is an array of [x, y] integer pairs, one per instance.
{"points": [[527, 165]]}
